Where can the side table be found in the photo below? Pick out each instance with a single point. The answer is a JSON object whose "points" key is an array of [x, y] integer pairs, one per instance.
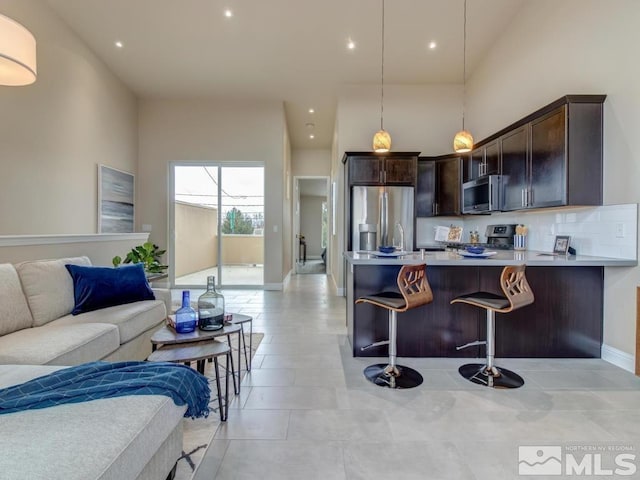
{"points": [[198, 352], [168, 336], [241, 319]]}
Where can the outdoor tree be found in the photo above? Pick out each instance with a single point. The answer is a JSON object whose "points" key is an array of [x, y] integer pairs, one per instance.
{"points": [[236, 222]]}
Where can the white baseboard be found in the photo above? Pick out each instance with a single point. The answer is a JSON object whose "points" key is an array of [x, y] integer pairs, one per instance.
{"points": [[287, 279], [618, 358], [273, 286]]}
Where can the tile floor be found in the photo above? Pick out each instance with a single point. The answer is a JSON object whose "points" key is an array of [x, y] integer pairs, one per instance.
{"points": [[307, 412]]}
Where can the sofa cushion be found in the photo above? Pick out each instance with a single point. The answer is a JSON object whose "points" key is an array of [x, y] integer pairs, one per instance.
{"points": [[132, 319], [100, 287], [59, 344], [48, 287], [14, 311]]}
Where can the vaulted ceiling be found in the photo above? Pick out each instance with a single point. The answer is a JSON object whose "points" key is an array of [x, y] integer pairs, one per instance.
{"points": [[294, 51]]}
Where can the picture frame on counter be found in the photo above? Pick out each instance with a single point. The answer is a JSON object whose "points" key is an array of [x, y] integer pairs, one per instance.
{"points": [[561, 244]]}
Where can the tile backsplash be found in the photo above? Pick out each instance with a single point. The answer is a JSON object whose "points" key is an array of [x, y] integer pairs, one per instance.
{"points": [[606, 231]]}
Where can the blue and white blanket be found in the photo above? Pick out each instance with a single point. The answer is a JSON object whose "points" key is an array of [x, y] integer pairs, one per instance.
{"points": [[91, 381]]}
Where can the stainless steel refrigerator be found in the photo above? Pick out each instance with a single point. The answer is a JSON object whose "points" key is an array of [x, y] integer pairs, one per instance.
{"points": [[374, 214]]}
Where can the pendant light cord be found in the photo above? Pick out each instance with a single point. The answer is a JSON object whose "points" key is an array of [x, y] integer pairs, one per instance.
{"points": [[382, 74], [464, 62]]}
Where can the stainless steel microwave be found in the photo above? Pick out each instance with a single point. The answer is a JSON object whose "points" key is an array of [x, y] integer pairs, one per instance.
{"points": [[482, 195]]}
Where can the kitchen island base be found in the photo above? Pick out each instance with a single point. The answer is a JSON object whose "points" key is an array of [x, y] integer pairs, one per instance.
{"points": [[565, 320]]}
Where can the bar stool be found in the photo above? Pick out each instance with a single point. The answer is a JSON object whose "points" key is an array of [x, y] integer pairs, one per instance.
{"points": [[414, 291], [517, 294]]}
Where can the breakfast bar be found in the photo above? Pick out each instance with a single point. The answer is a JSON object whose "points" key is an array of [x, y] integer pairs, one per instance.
{"points": [[565, 320]]}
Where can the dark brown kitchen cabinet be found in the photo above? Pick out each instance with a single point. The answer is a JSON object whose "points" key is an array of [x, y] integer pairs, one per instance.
{"points": [[554, 158], [367, 168], [484, 160], [426, 189], [515, 167], [438, 189], [547, 183]]}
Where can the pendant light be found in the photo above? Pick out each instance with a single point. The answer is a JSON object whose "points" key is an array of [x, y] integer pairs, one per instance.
{"points": [[463, 141], [17, 54], [382, 139]]}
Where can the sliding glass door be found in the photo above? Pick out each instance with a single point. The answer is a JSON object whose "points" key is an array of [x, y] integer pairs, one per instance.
{"points": [[217, 223]]}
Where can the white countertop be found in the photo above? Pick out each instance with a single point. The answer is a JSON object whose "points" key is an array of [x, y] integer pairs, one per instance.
{"points": [[501, 258]]}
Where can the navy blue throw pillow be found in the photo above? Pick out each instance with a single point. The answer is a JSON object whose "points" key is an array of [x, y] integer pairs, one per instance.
{"points": [[100, 287]]}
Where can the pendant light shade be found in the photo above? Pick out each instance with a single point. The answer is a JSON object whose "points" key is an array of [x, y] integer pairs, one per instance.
{"points": [[382, 139], [463, 141], [17, 54]]}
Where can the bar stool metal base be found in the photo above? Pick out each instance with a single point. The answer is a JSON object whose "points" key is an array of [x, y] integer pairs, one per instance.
{"points": [[497, 377], [381, 376]]}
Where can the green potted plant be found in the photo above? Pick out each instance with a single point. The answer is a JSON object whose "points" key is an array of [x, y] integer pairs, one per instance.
{"points": [[148, 254]]}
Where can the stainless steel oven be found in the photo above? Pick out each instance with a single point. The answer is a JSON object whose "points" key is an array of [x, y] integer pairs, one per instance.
{"points": [[482, 195]]}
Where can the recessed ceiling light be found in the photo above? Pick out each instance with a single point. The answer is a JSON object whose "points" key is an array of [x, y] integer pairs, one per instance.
{"points": [[351, 44], [228, 13], [311, 110], [432, 45], [119, 44], [312, 136]]}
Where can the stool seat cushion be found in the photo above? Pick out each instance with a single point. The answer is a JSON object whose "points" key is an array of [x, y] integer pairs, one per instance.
{"points": [[392, 300], [484, 300]]}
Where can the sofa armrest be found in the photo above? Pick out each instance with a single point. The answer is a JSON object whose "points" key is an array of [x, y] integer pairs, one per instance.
{"points": [[163, 294]]}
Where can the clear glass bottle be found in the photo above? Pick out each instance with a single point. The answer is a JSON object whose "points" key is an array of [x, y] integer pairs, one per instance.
{"points": [[186, 318], [211, 307], [398, 237]]}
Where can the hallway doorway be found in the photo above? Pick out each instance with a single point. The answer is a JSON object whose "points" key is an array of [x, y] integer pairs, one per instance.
{"points": [[311, 226]]}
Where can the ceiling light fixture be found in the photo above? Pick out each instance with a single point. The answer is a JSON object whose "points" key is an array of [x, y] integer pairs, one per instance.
{"points": [[312, 136], [351, 44], [311, 110], [228, 13], [463, 141], [17, 54], [119, 44], [382, 139], [432, 45]]}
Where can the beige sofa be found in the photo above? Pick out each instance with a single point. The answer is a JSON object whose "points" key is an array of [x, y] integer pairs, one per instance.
{"points": [[37, 328], [131, 437]]}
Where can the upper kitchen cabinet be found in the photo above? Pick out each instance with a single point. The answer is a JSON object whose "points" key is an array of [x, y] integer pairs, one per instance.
{"points": [[367, 168], [438, 189], [515, 167], [483, 160], [554, 156]]}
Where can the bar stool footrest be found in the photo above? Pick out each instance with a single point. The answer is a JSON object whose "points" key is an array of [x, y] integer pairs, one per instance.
{"points": [[382, 376], [497, 377]]}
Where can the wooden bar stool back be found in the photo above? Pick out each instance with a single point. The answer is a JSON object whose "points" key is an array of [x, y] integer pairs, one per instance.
{"points": [[413, 291], [517, 294]]}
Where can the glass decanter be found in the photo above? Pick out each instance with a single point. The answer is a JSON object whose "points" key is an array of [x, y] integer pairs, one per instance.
{"points": [[211, 307]]}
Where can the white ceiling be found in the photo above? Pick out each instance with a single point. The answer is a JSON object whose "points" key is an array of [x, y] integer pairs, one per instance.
{"points": [[292, 51]]}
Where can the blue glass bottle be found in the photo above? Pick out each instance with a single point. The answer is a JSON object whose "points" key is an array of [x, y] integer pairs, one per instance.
{"points": [[186, 319]]}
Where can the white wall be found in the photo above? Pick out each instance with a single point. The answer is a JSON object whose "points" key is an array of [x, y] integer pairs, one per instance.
{"points": [[574, 46], [55, 132], [420, 118], [311, 162], [219, 131]]}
